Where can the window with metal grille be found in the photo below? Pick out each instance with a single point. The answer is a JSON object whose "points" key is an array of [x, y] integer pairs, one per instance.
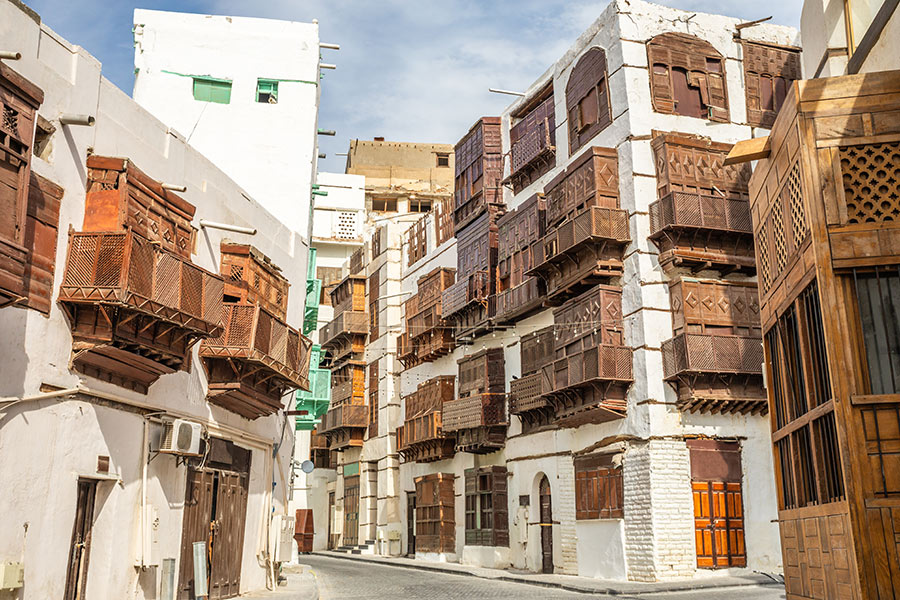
{"points": [[210, 89], [487, 522], [267, 91], [687, 77], [443, 159], [878, 302], [807, 457], [599, 491]]}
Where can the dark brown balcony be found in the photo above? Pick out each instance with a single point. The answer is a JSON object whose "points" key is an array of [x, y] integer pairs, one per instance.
{"points": [[517, 302], [533, 141], [582, 251], [528, 395], [703, 232], [519, 231], [716, 373], [469, 304], [349, 383], [479, 168], [428, 335], [134, 308], [345, 335], [590, 386], [479, 421], [345, 425], [255, 361], [422, 438]]}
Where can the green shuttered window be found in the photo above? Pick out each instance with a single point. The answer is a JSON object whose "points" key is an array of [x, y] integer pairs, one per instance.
{"points": [[267, 91], [208, 89]]}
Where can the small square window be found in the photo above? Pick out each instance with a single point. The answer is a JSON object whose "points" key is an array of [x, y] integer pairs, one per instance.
{"points": [[207, 89], [267, 91], [443, 159], [418, 205]]}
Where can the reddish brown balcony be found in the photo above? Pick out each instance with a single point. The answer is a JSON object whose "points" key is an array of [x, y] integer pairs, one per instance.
{"points": [[479, 168], [528, 395], [582, 251], [519, 293], [345, 335], [469, 303], [255, 361], [702, 217], [734, 362], [345, 425], [421, 437], [134, 308], [252, 277], [533, 140], [479, 421], [428, 335]]}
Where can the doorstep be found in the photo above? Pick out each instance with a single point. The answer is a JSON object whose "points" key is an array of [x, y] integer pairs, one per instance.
{"points": [[572, 583]]}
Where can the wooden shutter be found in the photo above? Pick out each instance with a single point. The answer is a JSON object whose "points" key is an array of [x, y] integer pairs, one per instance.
{"points": [[41, 232], [587, 98], [769, 71], [599, 490], [500, 506], [677, 54], [717, 100]]}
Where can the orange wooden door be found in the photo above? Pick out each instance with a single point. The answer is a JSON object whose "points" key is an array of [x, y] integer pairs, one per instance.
{"points": [[719, 524]]}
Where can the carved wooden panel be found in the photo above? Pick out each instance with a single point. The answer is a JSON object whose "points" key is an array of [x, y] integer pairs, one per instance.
{"points": [[41, 236], [694, 165], [435, 521], [479, 169], [687, 77], [714, 306], [587, 98], [349, 295], [251, 276], [592, 179], [818, 556], [533, 141], [519, 231], [482, 372], [588, 320], [120, 195], [443, 220], [769, 71]]}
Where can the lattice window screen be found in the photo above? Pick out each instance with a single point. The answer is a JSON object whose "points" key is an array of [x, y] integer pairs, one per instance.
{"points": [[871, 175]]}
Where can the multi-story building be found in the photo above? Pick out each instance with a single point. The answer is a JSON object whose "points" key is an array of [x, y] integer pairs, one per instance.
{"points": [[582, 390], [152, 308], [825, 202], [403, 181]]}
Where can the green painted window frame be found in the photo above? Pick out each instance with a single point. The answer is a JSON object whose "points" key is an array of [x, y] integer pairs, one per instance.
{"points": [[267, 86], [210, 89]]}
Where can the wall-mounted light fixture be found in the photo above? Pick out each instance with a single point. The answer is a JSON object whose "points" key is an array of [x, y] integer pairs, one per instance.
{"points": [[507, 92], [327, 66], [329, 132]]}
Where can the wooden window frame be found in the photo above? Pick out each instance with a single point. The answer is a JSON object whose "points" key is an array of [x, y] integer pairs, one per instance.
{"points": [[486, 510], [590, 64], [663, 97], [442, 160], [599, 488]]}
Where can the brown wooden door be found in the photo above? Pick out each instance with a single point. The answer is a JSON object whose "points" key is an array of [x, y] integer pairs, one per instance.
{"points": [[411, 523], [546, 527], [228, 518], [80, 549], [198, 498], [351, 511]]}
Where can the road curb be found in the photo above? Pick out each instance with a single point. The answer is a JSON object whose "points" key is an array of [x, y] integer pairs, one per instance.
{"points": [[685, 586]]}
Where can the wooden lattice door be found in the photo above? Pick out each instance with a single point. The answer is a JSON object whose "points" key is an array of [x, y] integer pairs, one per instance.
{"points": [[718, 504], [351, 511], [546, 527]]}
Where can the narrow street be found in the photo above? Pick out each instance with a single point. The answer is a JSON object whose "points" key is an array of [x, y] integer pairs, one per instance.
{"points": [[340, 579]]}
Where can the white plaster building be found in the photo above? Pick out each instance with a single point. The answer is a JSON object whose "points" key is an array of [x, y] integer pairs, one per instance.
{"points": [[63, 431], [244, 92], [652, 446]]}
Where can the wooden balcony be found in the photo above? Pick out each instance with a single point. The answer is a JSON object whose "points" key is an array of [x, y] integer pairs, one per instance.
{"points": [[345, 335], [519, 301], [590, 386], [255, 361], [484, 413], [349, 294], [703, 232], [469, 305], [716, 373], [533, 142], [422, 439], [345, 425], [134, 308], [478, 170], [349, 383], [582, 251], [528, 398]]}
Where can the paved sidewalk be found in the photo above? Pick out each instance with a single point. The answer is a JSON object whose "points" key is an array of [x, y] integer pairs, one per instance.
{"points": [[301, 585], [586, 585]]}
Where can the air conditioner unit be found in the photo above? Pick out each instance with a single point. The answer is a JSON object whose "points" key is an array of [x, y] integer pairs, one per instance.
{"points": [[181, 437]]}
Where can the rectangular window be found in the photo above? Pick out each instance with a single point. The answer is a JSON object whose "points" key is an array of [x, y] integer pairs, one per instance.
{"points": [[419, 205], [384, 204], [486, 507], [878, 299], [267, 91], [443, 159], [599, 492], [208, 89]]}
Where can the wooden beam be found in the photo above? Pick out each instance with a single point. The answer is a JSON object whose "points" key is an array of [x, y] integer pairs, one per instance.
{"points": [[747, 150]]}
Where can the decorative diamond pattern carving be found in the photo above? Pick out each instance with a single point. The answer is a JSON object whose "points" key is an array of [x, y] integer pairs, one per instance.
{"points": [[871, 176]]}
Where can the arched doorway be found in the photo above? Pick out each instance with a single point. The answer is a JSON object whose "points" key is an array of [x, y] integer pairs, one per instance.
{"points": [[546, 525]]}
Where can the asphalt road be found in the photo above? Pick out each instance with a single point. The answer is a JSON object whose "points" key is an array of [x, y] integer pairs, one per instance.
{"points": [[340, 579]]}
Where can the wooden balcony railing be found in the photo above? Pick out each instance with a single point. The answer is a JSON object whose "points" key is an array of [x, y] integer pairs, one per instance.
{"points": [[345, 425], [317, 441], [529, 392], [347, 323], [520, 299], [536, 143], [420, 429], [703, 353], [461, 294], [254, 334], [600, 363], [120, 268], [477, 410], [593, 224], [695, 211]]}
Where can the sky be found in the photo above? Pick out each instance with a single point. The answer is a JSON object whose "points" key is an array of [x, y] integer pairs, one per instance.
{"points": [[407, 70]]}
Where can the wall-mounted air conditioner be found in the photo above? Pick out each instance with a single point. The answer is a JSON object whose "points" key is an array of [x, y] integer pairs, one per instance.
{"points": [[181, 437]]}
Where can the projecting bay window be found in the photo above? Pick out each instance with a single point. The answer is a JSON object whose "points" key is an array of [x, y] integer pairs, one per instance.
{"points": [[599, 490], [587, 98], [807, 457], [487, 522], [687, 77]]}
